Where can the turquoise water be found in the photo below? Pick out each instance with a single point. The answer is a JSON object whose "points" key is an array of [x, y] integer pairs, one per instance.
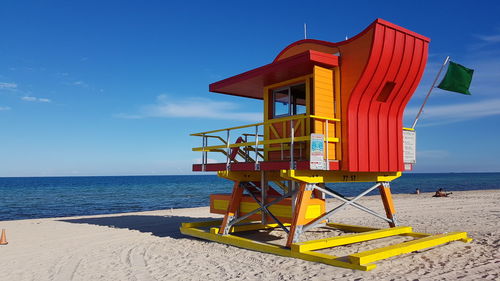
{"points": [[26, 198]]}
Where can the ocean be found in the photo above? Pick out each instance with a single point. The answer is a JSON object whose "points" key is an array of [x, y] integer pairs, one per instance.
{"points": [[43, 197]]}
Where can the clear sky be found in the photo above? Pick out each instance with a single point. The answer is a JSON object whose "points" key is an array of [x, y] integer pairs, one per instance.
{"points": [[115, 87]]}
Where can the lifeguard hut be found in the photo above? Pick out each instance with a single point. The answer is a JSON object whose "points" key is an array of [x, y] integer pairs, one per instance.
{"points": [[332, 113]]}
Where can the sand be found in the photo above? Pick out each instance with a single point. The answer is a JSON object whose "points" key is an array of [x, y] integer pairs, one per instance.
{"points": [[148, 246]]}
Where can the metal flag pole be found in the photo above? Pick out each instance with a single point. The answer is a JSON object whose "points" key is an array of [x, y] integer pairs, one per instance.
{"points": [[305, 30], [430, 91]]}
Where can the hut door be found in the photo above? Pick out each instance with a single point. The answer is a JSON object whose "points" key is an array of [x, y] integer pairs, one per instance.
{"points": [[285, 102]]}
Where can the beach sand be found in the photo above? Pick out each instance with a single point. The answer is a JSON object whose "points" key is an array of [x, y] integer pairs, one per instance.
{"points": [[149, 246]]}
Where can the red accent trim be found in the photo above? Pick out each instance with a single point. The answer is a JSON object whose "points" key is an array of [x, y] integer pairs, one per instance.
{"points": [[210, 167], [302, 165], [334, 165], [274, 165], [243, 166], [250, 84]]}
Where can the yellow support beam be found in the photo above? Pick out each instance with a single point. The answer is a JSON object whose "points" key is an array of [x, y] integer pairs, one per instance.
{"points": [[406, 247], [236, 241], [349, 239], [330, 260], [318, 176], [311, 176]]}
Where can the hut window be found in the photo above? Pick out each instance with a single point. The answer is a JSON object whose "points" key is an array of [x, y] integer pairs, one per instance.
{"points": [[298, 94], [290, 100], [281, 103], [386, 91]]}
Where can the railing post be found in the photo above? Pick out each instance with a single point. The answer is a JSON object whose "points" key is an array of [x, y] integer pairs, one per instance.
{"points": [[257, 147], [227, 151], [246, 149], [327, 146], [263, 194], [292, 135], [203, 153]]}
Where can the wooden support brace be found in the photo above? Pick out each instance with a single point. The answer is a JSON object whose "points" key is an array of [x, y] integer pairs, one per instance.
{"points": [[385, 192], [234, 205], [303, 198]]}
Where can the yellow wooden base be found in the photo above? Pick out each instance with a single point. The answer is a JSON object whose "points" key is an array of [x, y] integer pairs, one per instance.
{"points": [[405, 247], [349, 239], [305, 250]]}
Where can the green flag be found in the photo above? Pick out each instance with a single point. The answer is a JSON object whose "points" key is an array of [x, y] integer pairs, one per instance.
{"points": [[457, 79]]}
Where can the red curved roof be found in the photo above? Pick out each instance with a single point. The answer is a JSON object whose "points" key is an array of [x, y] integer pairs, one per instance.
{"points": [[331, 47]]}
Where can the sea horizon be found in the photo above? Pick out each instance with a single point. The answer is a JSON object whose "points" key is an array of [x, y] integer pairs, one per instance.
{"points": [[210, 174], [64, 196]]}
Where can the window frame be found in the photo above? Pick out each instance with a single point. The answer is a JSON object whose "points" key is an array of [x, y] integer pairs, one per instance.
{"points": [[292, 107], [275, 91]]}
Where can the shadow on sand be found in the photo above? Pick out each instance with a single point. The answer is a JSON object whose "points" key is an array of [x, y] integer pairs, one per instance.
{"points": [[160, 226]]}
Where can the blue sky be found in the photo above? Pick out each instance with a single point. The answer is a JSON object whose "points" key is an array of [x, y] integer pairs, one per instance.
{"points": [[115, 87]]}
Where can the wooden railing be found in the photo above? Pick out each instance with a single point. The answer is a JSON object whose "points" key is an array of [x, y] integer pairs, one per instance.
{"points": [[255, 146]]}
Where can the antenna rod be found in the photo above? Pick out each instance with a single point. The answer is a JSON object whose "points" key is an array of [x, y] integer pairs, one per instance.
{"points": [[430, 91], [305, 30]]}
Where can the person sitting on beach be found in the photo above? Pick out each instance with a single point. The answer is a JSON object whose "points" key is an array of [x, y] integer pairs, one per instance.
{"points": [[441, 193]]}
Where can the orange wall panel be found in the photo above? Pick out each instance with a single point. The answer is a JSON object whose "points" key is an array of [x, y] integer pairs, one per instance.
{"points": [[323, 104]]}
